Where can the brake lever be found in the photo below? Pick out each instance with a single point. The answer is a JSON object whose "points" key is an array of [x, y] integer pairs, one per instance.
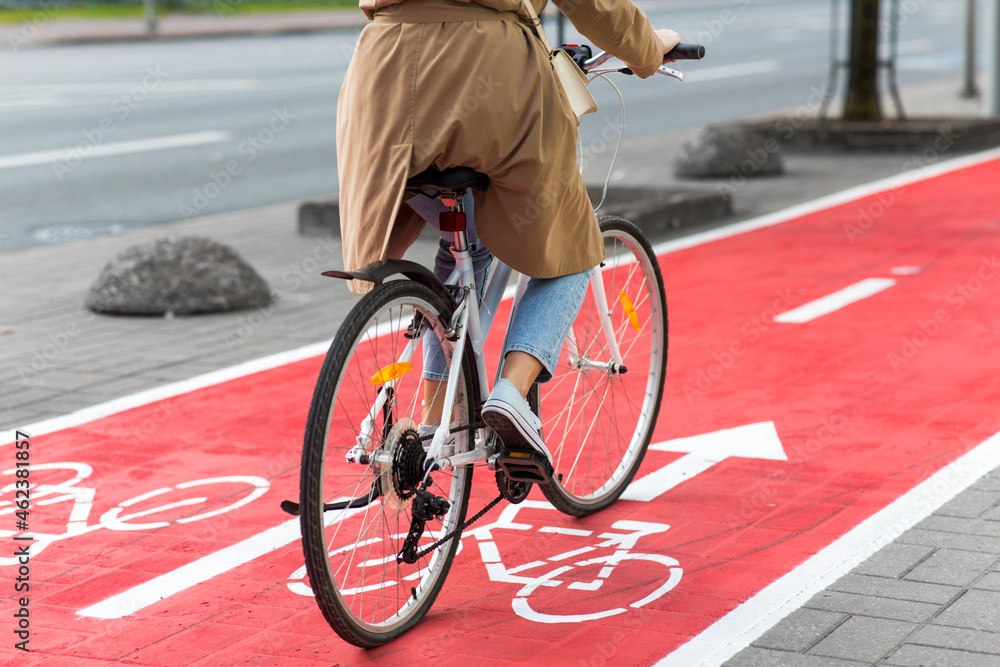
{"points": [[676, 74]]}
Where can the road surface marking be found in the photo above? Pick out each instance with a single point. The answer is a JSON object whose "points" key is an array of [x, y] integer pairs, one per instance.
{"points": [[734, 631], [753, 441], [730, 71], [203, 569], [834, 302], [116, 148]]}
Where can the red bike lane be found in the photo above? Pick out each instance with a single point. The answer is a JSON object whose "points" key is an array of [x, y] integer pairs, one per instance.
{"points": [[775, 438]]}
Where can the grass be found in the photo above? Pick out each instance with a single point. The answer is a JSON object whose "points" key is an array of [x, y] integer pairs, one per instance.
{"points": [[226, 7]]}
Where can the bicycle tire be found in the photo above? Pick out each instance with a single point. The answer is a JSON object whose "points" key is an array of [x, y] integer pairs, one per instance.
{"points": [[592, 463], [344, 549]]}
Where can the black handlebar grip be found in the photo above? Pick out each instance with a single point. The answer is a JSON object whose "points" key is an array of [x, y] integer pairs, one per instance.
{"points": [[686, 52]]}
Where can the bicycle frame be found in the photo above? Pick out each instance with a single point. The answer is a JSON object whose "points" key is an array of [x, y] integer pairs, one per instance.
{"points": [[473, 320]]}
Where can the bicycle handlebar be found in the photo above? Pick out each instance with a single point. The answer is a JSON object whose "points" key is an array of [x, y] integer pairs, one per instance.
{"points": [[581, 54], [685, 52]]}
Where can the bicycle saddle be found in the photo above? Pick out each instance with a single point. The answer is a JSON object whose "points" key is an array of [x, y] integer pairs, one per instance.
{"points": [[453, 178]]}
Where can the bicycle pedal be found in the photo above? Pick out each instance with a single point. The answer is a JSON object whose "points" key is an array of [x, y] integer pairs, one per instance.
{"points": [[522, 465]]}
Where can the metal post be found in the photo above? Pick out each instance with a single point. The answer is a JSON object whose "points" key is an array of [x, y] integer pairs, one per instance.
{"points": [[992, 20], [560, 28], [970, 89], [151, 21]]}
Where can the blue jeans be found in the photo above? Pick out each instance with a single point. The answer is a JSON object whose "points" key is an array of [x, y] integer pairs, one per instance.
{"points": [[543, 316]]}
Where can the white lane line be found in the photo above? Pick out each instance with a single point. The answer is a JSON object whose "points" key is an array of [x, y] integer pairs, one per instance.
{"points": [[166, 86], [734, 631], [113, 407], [834, 302], [117, 148], [186, 576], [697, 75], [829, 201]]}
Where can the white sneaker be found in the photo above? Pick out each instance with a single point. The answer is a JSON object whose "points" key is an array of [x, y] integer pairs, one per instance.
{"points": [[510, 417]]}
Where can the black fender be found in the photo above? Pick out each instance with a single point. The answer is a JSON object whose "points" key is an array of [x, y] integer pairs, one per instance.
{"points": [[377, 272]]}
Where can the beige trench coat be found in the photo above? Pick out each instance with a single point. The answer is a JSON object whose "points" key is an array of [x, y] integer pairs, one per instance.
{"points": [[451, 92]]}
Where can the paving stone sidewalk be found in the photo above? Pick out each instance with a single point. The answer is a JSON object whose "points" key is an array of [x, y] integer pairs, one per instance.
{"points": [[931, 597]]}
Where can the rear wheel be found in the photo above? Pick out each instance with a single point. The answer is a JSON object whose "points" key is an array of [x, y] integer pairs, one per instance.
{"points": [[597, 419], [368, 597]]}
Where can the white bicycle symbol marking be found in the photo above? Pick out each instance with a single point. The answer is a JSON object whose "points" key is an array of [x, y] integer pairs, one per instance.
{"points": [[622, 543], [82, 499]]}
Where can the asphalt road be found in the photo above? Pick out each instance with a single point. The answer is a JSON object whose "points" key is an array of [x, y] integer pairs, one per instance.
{"points": [[101, 138]]}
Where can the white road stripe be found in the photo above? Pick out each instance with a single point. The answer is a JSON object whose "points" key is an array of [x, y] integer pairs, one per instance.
{"points": [[167, 86], [186, 576], [734, 631], [697, 74], [834, 302], [117, 148]]}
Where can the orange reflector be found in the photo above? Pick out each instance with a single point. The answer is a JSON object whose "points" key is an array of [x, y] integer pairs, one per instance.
{"points": [[391, 372], [633, 317], [520, 455]]}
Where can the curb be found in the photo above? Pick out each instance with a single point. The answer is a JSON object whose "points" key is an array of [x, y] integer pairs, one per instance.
{"points": [[655, 211], [908, 134]]}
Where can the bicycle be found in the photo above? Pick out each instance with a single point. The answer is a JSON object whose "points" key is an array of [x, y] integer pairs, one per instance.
{"points": [[371, 482]]}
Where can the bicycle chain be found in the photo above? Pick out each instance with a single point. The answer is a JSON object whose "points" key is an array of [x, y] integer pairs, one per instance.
{"points": [[479, 514], [469, 522], [458, 429]]}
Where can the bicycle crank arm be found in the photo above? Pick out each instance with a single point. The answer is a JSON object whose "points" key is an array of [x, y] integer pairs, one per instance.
{"points": [[295, 509]]}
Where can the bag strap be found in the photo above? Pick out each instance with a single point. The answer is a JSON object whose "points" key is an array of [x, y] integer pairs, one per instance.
{"points": [[535, 23]]}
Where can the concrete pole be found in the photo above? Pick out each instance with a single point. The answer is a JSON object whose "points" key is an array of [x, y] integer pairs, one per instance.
{"points": [[150, 7], [992, 20], [970, 89]]}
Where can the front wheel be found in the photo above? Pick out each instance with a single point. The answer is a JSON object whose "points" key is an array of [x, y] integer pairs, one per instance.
{"points": [[363, 454], [598, 418]]}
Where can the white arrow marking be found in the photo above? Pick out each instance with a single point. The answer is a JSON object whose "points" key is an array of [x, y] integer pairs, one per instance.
{"points": [[753, 441]]}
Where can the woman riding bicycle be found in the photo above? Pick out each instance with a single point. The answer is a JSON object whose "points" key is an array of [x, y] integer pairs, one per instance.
{"points": [[447, 83]]}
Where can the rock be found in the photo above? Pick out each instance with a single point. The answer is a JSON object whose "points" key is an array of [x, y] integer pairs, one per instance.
{"points": [[722, 151], [179, 275]]}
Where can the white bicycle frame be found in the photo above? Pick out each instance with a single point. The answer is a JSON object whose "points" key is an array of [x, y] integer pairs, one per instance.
{"points": [[472, 319]]}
